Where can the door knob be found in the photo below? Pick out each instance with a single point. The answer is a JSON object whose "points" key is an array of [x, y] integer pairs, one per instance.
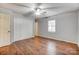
{"points": [[9, 31]]}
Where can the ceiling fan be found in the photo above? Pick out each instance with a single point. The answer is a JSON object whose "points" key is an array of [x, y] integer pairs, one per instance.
{"points": [[37, 10]]}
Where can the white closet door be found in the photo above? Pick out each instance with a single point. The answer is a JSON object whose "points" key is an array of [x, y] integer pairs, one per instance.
{"points": [[4, 29]]}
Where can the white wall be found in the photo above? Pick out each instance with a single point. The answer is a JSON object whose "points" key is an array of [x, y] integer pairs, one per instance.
{"points": [[66, 27], [23, 27]]}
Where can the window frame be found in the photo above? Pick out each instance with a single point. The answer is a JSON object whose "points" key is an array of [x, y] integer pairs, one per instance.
{"points": [[52, 25]]}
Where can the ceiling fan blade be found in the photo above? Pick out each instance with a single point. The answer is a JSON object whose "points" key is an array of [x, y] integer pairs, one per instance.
{"points": [[51, 8], [29, 13], [17, 4]]}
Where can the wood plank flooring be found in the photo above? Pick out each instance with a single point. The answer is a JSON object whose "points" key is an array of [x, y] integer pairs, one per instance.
{"points": [[40, 46]]}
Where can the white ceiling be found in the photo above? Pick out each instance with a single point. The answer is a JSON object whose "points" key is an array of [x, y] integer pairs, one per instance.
{"points": [[52, 8]]}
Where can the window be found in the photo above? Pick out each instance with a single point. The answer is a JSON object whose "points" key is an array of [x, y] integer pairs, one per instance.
{"points": [[51, 26]]}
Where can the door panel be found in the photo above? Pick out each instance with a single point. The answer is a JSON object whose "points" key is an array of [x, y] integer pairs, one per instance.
{"points": [[36, 28], [4, 29]]}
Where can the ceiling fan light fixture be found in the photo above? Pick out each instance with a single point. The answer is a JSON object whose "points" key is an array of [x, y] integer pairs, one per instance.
{"points": [[38, 11]]}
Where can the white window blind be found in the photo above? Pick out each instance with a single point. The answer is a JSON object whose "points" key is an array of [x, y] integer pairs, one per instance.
{"points": [[51, 26]]}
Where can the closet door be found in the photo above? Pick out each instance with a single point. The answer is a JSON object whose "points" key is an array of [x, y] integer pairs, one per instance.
{"points": [[4, 29]]}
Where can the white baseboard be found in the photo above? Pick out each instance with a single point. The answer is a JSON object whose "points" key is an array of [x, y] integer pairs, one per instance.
{"points": [[59, 39], [22, 38], [2, 45]]}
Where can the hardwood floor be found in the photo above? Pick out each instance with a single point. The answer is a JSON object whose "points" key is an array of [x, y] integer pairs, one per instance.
{"points": [[40, 46]]}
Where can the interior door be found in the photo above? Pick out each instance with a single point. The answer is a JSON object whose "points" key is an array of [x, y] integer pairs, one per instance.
{"points": [[36, 28], [4, 29]]}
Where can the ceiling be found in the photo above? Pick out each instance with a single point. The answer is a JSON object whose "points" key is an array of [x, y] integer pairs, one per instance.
{"points": [[48, 9]]}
